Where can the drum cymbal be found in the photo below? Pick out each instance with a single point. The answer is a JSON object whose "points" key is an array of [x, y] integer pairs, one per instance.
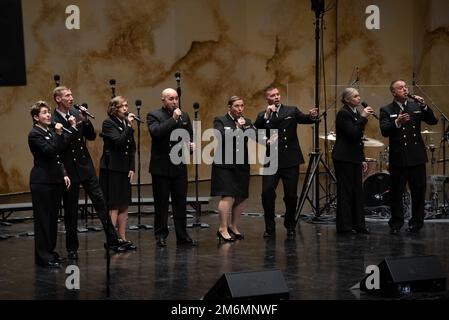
{"points": [[369, 142], [331, 137], [428, 132]]}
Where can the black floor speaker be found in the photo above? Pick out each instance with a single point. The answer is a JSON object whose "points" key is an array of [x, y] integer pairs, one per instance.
{"points": [[419, 274], [269, 284]]}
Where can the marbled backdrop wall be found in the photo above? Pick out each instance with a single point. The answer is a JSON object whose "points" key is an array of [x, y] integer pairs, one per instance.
{"points": [[221, 48]]}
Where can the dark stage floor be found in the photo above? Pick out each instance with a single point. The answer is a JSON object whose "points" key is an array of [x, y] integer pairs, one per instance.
{"points": [[318, 264]]}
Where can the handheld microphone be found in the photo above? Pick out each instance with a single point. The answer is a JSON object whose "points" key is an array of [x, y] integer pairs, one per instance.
{"points": [[277, 104], [52, 126], [415, 98], [196, 105], [364, 104], [77, 106], [180, 118], [134, 116], [57, 79], [138, 104], [178, 76]]}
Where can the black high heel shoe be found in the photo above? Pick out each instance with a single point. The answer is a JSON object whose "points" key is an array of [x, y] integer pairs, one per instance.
{"points": [[236, 236], [220, 237]]}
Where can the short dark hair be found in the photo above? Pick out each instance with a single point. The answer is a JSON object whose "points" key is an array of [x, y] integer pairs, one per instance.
{"points": [[36, 108], [393, 83], [57, 92], [233, 99], [269, 88]]}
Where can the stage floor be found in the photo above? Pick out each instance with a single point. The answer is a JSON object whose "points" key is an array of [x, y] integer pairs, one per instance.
{"points": [[317, 264]]}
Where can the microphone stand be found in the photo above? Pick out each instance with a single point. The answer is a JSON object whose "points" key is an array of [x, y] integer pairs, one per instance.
{"points": [[57, 79], [112, 84], [197, 223], [178, 86], [445, 136], [139, 199], [108, 226], [313, 169]]}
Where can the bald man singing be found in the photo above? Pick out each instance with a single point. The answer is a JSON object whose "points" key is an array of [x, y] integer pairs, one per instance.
{"points": [[169, 177]]}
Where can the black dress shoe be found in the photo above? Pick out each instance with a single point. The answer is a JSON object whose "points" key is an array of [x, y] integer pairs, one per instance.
{"points": [[129, 245], [50, 264], [115, 246], [268, 234], [363, 231], [412, 229], [58, 258], [72, 255], [291, 233], [221, 237], [394, 231], [161, 242], [187, 242], [236, 236]]}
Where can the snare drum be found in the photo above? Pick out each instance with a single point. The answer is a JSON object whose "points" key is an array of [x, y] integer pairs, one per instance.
{"points": [[376, 190]]}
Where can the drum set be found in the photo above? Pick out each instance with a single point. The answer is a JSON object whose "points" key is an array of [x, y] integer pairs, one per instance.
{"points": [[377, 181]]}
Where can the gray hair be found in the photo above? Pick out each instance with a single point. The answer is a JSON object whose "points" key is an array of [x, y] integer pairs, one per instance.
{"points": [[346, 94]]}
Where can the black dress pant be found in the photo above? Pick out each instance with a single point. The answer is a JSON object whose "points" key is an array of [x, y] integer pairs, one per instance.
{"points": [[70, 199], [46, 199], [163, 188], [416, 178], [350, 212], [290, 178]]}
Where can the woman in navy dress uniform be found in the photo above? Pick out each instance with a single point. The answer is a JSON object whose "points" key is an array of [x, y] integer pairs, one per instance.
{"points": [[349, 161], [47, 180], [117, 164], [230, 174]]}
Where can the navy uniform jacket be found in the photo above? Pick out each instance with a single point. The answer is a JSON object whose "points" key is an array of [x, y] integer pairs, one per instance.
{"points": [[75, 156], [227, 125], [45, 147], [349, 144], [118, 139], [160, 125], [406, 144], [286, 121]]}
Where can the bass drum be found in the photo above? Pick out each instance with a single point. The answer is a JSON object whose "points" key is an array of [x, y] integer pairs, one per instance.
{"points": [[376, 190]]}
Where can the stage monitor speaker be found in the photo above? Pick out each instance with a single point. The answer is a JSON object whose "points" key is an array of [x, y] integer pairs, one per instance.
{"points": [[417, 274], [268, 284], [12, 54]]}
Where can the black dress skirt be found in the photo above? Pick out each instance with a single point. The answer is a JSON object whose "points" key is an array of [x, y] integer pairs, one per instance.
{"points": [[119, 193], [230, 182]]}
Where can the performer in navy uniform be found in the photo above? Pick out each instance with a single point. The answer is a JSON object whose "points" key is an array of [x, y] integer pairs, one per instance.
{"points": [[117, 171], [47, 180], [400, 121], [348, 157], [231, 180], [169, 179], [79, 166], [285, 119]]}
